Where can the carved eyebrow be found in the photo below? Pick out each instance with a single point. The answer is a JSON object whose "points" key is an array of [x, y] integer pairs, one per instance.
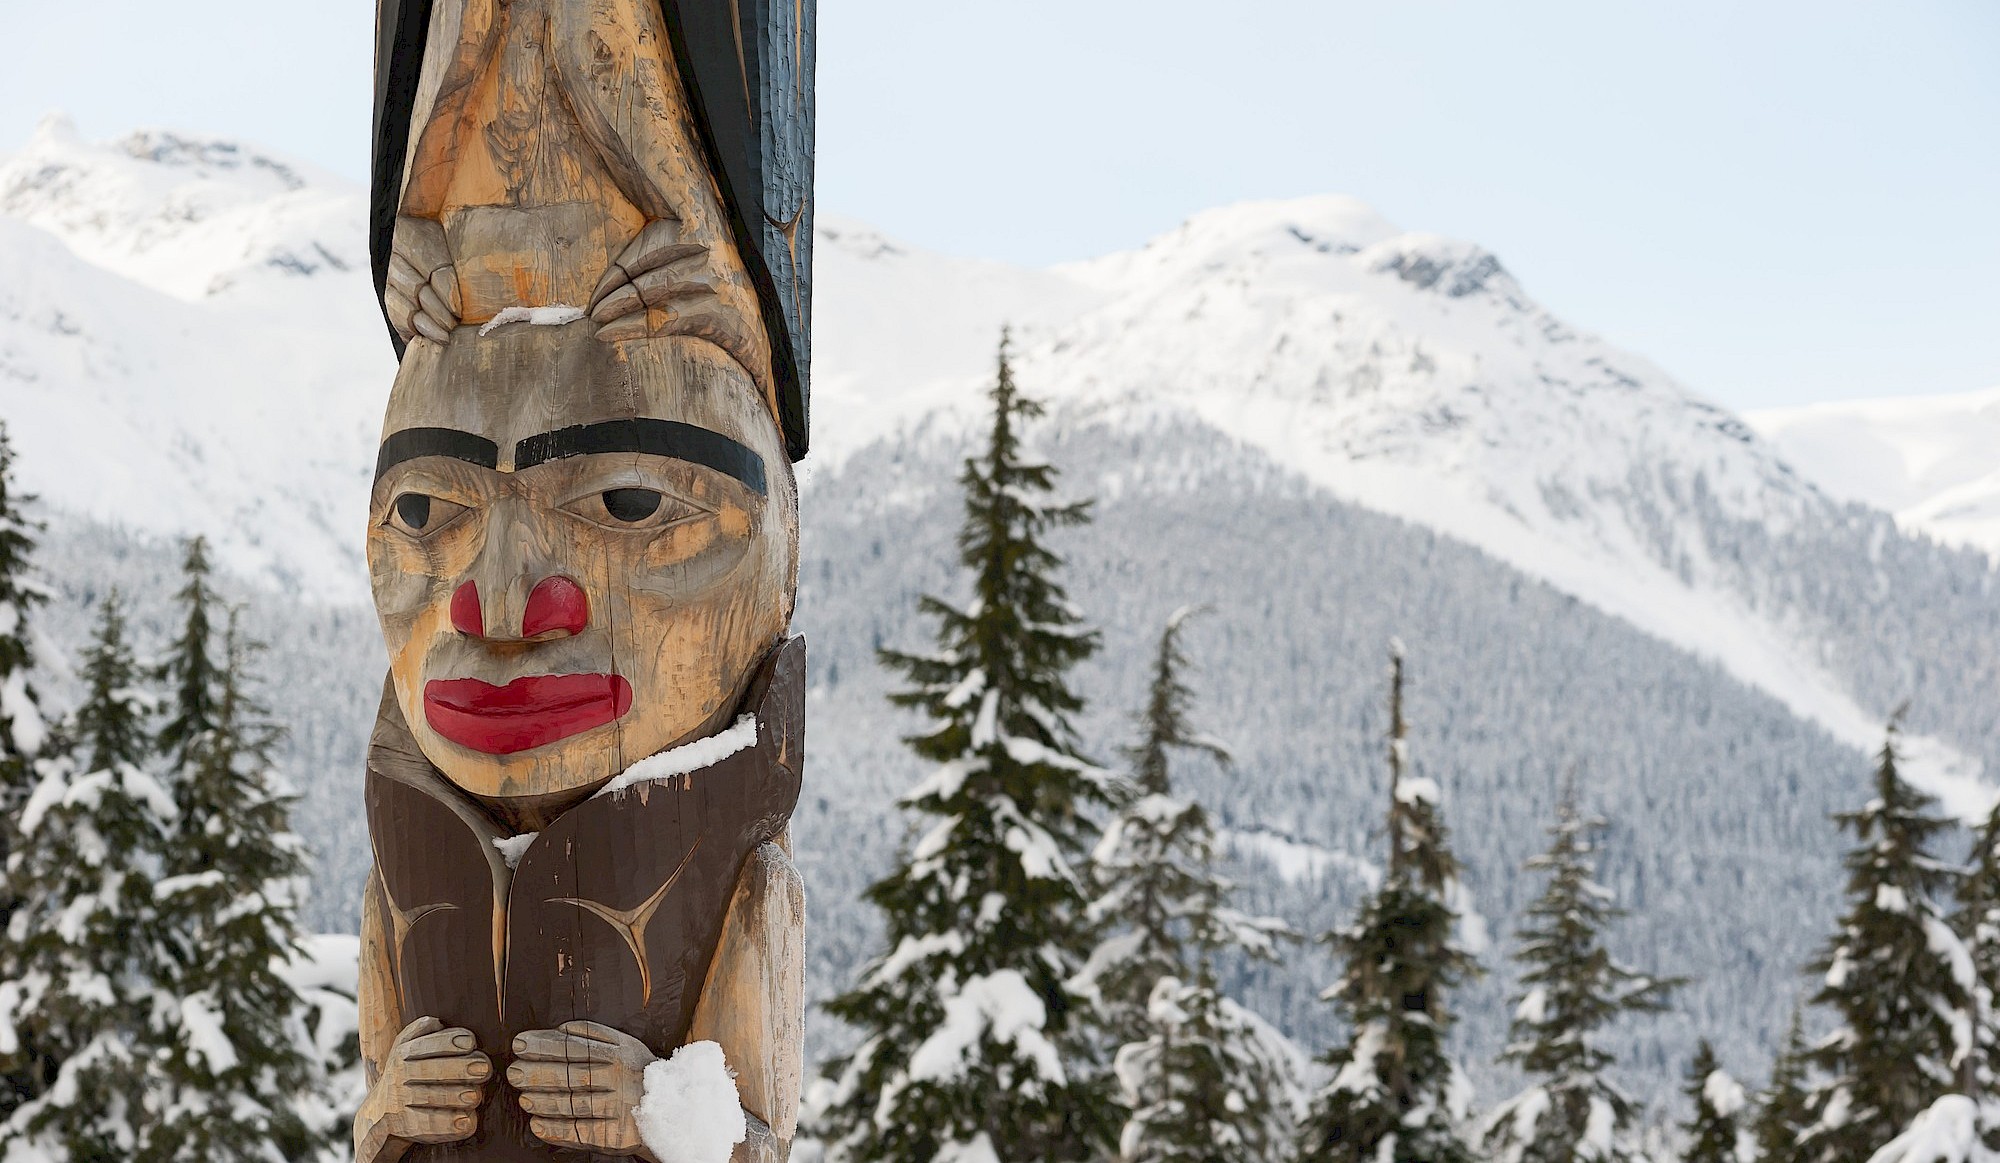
{"points": [[670, 438], [411, 443]]}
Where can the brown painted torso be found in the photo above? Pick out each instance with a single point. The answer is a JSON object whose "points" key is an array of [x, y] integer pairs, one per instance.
{"points": [[612, 915]]}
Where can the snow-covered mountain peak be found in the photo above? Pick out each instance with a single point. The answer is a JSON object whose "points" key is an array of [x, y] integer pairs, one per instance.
{"points": [[190, 216]]}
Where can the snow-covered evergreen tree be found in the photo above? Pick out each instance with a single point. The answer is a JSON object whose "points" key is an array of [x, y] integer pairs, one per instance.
{"points": [[88, 950], [1573, 988], [22, 729], [1895, 975], [1211, 1082], [1714, 1131], [973, 1045], [1396, 1095], [1977, 923], [239, 1077], [190, 671], [1784, 1108], [1198, 1075], [23, 734]]}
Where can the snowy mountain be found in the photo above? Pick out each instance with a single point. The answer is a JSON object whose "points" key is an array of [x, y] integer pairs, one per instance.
{"points": [[188, 343], [1330, 430], [1933, 461]]}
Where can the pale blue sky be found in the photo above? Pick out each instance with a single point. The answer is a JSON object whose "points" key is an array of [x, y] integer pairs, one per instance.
{"points": [[1778, 202]]}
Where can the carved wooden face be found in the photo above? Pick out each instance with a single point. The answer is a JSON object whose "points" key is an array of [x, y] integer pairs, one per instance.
{"points": [[580, 551]]}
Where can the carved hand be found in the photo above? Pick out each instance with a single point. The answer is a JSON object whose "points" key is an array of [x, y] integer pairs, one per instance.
{"points": [[430, 1087], [579, 1085], [421, 294], [665, 283]]}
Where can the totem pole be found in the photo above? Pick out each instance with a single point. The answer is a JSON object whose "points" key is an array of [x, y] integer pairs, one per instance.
{"points": [[591, 231]]}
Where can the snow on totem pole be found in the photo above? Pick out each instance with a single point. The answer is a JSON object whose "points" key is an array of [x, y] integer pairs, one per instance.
{"points": [[591, 231]]}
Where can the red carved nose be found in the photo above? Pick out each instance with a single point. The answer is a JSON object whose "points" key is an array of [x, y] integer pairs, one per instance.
{"points": [[466, 617], [556, 603]]}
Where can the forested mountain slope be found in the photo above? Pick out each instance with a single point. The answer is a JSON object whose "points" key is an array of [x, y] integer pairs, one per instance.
{"points": [[1330, 431]]}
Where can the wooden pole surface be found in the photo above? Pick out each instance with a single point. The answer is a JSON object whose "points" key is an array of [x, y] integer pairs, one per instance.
{"points": [[583, 548]]}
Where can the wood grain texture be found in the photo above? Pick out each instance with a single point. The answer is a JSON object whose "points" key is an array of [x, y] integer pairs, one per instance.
{"points": [[659, 912], [753, 1004], [554, 159], [554, 132], [685, 612]]}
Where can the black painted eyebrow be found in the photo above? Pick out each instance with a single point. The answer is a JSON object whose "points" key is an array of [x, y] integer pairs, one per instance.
{"points": [[671, 438], [411, 443]]}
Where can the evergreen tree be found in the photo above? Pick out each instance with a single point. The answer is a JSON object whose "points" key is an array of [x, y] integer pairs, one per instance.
{"points": [[1573, 989], [1396, 1096], [1197, 1073], [87, 948], [23, 736], [189, 670], [973, 1045], [1977, 923], [1210, 1083], [22, 729], [1783, 1110], [238, 1071], [1895, 974], [1713, 1134]]}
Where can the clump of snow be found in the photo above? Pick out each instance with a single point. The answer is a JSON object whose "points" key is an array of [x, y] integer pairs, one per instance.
{"points": [[24, 719], [1001, 1006], [687, 758], [691, 1112], [1723, 1093], [555, 315], [1358, 1076], [173, 886], [201, 1021], [1946, 1133], [1416, 789], [512, 848]]}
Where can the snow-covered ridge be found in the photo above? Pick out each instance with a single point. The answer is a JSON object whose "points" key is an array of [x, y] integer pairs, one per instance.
{"points": [[1933, 461]]}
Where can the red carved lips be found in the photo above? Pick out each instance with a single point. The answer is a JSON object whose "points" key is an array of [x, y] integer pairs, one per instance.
{"points": [[526, 713]]}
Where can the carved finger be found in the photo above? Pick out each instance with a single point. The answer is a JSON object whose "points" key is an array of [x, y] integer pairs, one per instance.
{"points": [[405, 277], [433, 305], [400, 307], [422, 243], [418, 1029], [622, 301], [661, 287], [536, 1075], [430, 328], [450, 1043], [554, 1046], [435, 1126], [576, 1104], [444, 281], [598, 1032], [430, 1096], [658, 243], [630, 327], [613, 279], [602, 1134], [472, 1067]]}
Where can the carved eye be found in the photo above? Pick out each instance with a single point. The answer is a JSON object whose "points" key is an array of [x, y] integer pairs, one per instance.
{"points": [[632, 508], [631, 505], [420, 514]]}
